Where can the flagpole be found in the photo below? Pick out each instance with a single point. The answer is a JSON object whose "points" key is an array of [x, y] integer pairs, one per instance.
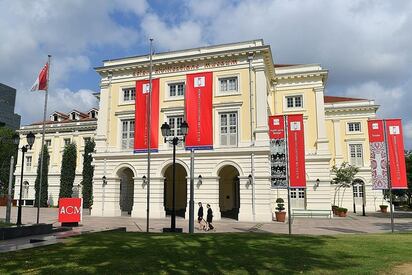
{"points": [[42, 138], [286, 127], [388, 173], [148, 136]]}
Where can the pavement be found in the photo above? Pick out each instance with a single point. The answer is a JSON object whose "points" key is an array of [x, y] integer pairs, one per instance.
{"points": [[353, 223]]}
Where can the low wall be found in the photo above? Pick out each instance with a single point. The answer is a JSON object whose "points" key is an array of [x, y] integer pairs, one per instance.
{"points": [[25, 230]]}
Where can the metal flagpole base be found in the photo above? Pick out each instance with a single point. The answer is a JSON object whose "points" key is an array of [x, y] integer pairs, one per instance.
{"points": [[172, 230]]}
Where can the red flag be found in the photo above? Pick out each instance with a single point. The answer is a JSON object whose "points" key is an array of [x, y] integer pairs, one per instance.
{"points": [[140, 132], [396, 153], [41, 81], [199, 111], [296, 145]]}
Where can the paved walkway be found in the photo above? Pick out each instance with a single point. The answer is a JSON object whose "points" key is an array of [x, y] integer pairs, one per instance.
{"points": [[371, 223]]}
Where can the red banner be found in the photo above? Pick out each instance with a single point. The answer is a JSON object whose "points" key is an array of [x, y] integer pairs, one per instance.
{"points": [[296, 152], [70, 210], [378, 155], [276, 127], [141, 121], [396, 153], [198, 103]]}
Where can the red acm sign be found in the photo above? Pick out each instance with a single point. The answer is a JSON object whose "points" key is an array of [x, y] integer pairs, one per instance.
{"points": [[70, 210]]}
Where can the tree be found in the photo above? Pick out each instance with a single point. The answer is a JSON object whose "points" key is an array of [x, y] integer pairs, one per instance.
{"points": [[88, 171], [344, 176], [7, 149], [44, 183], [68, 170], [408, 192]]}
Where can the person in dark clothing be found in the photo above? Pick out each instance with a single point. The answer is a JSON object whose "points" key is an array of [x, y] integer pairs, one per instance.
{"points": [[200, 217], [209, 218]]}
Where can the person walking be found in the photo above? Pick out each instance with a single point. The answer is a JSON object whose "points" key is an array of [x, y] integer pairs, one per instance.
{"points": [[200, 217], [209, 218]]}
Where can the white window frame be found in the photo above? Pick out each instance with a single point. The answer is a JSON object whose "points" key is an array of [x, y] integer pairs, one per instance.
{"points": [[29, 164], [166, 115], [293, 96], [219, 92], [358, 163], [48, 145], [65, 141], [129, 140], [122, 100], [168, 97], [181, 143], [348, 131], [228, 127]]}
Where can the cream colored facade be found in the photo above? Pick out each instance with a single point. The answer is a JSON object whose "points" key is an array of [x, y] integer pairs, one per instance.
{"points": [[60, 128], [234, 179]]}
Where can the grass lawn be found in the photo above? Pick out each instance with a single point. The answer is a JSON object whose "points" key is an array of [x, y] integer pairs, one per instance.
{"points": [[233, 253]]}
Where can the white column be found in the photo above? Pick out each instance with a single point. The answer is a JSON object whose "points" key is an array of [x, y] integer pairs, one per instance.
{"points": [[245, 190], [101, 131], [157, 210], [261, 110], [338, 141], [322, 141], [106, 199]]}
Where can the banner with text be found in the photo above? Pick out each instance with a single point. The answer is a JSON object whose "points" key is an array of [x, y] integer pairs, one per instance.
{"points": [[396, 153], [296, 152], [378, 155], [141, 119], [70, 210], [198, 101], [278, 172]]}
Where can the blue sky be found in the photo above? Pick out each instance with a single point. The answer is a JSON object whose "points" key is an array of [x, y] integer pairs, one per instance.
{"points": [[365, 45]]}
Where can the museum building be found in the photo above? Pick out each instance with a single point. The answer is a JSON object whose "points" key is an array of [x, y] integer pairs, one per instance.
{"points": [[232, 173]]}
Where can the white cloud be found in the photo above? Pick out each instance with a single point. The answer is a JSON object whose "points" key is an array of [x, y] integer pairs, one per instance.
{"points": [[30, 104], [184, 35]]}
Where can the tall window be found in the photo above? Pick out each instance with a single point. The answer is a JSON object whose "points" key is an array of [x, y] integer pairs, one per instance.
{"points": [[176, 89], [354, 126], [175, 122], [28, 163], [66, 141], [129, 94], [294, 101], [228, 129], [228, 84], [48, 143], [356, 154], [127, 134]]}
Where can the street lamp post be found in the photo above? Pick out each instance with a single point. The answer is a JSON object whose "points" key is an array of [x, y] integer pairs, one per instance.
{"points": [[30, 140], [175, 141]]}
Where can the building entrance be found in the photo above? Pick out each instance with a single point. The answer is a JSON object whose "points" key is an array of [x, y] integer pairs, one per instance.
{"points": [[181, 190], [126, 190], [229, 192]]}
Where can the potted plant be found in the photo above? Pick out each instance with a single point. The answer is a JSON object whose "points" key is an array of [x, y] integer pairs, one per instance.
{"points": [[342, 212], [384, 208], [280, 215], [335, 209]]}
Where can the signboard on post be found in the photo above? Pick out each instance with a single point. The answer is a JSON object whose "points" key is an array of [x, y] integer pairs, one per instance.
{"points": [[296, 152], [278, 168], [70, 210]]}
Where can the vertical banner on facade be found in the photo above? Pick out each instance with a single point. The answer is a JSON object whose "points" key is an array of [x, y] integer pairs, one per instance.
{"points": [[378, 155], [396, 153], [278, 170], [296, 152], [198, 103], [141, 119]]}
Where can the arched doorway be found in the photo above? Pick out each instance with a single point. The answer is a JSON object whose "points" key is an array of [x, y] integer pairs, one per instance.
{"points": [[181, 190], [126, 190], [358, 188], [229, 193]]}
